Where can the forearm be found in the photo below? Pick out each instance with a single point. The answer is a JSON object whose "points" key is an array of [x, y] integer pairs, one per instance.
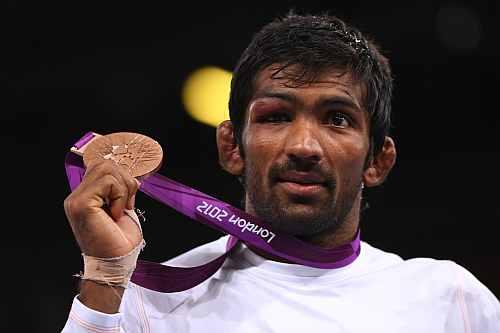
{"points": [[90, 317], [100, 297]]}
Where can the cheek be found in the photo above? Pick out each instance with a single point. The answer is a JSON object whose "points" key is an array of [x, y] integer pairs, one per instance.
{"points": [[347, 155], [357, 154], [262, 146], [260, 152]]}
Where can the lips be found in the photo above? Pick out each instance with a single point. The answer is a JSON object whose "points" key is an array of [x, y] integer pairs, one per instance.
{"points": [[302, 183], [303, 178]]}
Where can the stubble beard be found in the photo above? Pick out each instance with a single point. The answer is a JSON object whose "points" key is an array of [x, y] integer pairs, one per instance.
{"points": [[298, 217]]}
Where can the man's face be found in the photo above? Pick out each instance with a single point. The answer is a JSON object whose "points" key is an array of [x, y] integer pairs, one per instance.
{"points": [[305, 150]]}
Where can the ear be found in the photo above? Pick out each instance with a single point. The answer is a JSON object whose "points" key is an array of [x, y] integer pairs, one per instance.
{"points": [[229, 153], [381, 164]]}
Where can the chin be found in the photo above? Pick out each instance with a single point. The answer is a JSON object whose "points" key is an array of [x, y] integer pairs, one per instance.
{"points": [[302, 220]]}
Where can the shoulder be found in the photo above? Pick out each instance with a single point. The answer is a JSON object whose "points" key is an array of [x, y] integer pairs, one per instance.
{"points": [[434, 273], [479, 307], [417, 270], [428, 269], [447, 274], [376, 257], [442, 281]]}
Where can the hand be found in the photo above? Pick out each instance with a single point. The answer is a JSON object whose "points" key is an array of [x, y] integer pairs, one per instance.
{"points": [[95, 211]]}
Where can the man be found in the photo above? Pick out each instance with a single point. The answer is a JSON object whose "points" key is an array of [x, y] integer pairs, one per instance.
{"points": [[310, 116]]}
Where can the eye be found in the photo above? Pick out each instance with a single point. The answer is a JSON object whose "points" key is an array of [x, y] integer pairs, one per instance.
{"points": [[338, 119], [275, 117]]}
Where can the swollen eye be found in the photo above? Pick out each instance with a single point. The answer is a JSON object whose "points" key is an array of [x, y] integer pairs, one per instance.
{"points": [[272, 117], [276, 117]]}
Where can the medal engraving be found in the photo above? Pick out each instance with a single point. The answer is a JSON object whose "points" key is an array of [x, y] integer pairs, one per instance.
{"points": [[136, 153]]}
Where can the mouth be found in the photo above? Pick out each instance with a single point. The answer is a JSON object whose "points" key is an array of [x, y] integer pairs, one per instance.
{"points": [[302, 183]]}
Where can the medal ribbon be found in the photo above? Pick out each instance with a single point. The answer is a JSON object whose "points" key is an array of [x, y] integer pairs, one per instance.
{"points": [[220, 216]]}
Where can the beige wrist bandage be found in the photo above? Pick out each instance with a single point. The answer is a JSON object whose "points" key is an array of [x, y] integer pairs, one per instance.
{"points": [[115, 271]]}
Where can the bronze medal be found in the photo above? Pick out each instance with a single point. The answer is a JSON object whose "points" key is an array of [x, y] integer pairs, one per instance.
{"points": [[136, 153]]}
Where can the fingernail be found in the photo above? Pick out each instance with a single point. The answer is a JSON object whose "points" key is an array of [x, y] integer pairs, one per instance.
{"points": [[132, 202]]}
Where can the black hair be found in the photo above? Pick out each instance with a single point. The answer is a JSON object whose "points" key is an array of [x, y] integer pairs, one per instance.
{"points": [[315, 44]]}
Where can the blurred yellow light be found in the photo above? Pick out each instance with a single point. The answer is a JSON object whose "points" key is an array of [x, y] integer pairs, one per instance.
{"points": [[205, 95]]}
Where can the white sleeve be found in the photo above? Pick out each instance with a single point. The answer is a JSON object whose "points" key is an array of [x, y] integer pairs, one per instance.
{"points": [[82, 319], [480, 308]]}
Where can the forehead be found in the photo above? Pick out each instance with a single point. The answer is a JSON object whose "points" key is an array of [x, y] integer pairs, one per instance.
{"points": [[331, 81]]}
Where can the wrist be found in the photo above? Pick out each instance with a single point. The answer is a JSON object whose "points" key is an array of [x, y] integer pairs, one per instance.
{"points": [[100, 297]]}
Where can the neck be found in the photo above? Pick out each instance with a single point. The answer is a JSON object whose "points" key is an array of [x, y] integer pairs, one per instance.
{"points": [[328, 239], [332, 239]]}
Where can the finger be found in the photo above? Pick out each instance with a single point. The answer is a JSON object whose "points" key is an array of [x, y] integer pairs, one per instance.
{"points": [[116, 193], [95, 170], [132, 186], [118, 196]]}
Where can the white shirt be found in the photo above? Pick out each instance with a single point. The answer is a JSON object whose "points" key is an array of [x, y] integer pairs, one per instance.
{"points": [[378, 292]]}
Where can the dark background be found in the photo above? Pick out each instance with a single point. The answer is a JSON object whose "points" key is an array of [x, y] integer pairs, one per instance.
{"points": [[73, 67]]}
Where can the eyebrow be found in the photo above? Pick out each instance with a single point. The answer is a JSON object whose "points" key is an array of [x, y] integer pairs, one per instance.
{"points": [[324, 101]]}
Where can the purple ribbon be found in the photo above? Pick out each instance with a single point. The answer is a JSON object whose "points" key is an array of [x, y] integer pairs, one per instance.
{"points": [[223, 217]]}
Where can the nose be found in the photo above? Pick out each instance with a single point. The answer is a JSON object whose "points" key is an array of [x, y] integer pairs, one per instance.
{"points": [[303, 143]]}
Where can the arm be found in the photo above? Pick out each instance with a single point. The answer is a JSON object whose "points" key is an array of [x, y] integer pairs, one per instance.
{"points": [[99, 297], [95, 211]]}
